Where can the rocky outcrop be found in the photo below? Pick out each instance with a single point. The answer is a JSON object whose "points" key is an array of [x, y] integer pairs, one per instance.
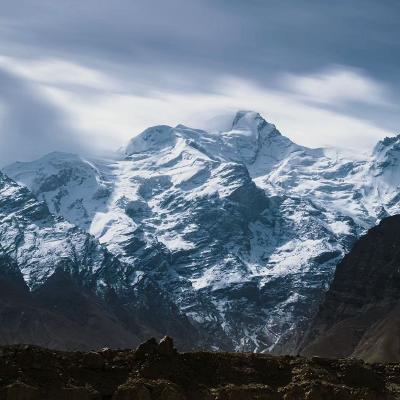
{"points": [[360, 316], [31, 373]]}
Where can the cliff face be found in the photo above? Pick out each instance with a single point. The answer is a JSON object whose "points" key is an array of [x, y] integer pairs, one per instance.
{"points": [[360, 316]]}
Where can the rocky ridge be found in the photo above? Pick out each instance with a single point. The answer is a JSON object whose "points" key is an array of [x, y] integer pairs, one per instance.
{"points": [[61, 288], [360, 314], [158, 372], [241, 230]]}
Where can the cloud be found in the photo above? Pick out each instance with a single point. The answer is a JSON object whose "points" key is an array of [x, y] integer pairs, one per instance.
{"points": [[53, 71], [254, 39], [86, 76], [337, 85], [53, 104], [30, 125], [118, 117]]}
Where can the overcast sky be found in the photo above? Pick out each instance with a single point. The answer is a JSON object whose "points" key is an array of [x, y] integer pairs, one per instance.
{"points": [[87, 75]]}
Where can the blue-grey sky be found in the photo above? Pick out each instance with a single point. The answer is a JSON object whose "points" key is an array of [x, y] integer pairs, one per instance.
{"points": [[87, 75]]}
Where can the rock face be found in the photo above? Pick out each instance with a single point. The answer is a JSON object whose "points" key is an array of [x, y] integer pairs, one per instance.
{"points": [[237, 232], [28, 372], [61, 288], [360, 316]]}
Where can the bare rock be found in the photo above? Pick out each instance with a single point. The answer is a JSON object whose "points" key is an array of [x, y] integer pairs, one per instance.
{"points": [[132, 390], [93, 360], [146, 348], [166, 347], [21, 391]]}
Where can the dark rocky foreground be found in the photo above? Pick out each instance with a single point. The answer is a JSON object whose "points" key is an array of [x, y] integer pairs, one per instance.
{"points": [[157, 372], [360, 316]]}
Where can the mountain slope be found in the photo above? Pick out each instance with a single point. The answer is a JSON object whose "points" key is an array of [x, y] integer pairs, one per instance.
{"points": [[360, 314], [59, 314], [242, 228], [62, 288]]}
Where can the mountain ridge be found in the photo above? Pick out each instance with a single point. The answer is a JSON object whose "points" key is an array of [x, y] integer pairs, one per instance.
{"points": [[359, 316], [242, 228], [48, 265]]}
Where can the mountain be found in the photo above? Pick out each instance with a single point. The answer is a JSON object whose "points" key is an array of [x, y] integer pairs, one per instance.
{"points": [[240, 229], [61, 288], [360, 314]]}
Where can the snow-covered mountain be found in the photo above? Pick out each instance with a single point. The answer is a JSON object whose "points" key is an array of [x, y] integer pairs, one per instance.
{"points": [[240, 229], [80, 294]]}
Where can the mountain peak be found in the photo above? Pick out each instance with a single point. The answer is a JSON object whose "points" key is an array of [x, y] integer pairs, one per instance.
{"points": [[248, 119], [252, 124], [150, 139], [387, 148]]}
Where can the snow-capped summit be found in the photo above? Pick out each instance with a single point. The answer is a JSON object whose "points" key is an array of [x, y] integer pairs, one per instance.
{"points": [[249, 122], [379, 178], [387, 144], [242, 228], [40, 242], [151, 139], [386, 154], [71, 185], [254, 141]]}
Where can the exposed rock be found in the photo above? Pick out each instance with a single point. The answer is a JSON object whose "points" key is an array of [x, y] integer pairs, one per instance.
{"points": [[147, 348], [237, 228], [225, 241], [93, 360], [166, 346], [60, 288], [75, 393], [33, 373], [21, 391], [149, 390], [360, 316], [132, 390]]}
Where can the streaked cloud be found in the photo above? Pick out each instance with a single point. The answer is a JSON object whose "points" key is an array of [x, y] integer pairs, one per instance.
{"points": [[32, 125], [55, 71], [86, 76], [118, 117], [338, 84]]}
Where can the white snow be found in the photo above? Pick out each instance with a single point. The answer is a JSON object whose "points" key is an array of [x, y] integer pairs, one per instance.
{"points": [[167, 178]]}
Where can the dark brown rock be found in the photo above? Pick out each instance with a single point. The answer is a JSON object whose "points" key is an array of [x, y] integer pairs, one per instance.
{"points": [[93, 360], [360, 316], [34, 373], [166, 346], [21, 391], [146, 348], [141, 389]]}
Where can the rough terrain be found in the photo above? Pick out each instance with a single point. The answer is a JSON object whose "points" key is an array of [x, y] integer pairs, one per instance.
{"points": [[157, 372], [237, 232], [360, 316]]}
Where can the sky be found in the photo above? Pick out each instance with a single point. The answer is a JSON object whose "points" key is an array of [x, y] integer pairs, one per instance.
{"points": [[86, 76]]}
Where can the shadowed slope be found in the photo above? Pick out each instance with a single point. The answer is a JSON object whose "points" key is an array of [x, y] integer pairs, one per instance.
{"points": [[360, 316]]}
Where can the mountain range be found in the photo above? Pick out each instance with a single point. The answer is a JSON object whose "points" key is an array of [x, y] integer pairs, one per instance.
{"points": [[225, 240]]}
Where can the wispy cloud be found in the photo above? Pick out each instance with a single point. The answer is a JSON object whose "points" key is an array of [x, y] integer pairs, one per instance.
{"points": [[88, 75], [117, 117], [53, 71], [31, 124], [338, 84]]}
